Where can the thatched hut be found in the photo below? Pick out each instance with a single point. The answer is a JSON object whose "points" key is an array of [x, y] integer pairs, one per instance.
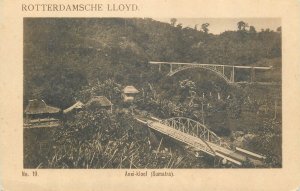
{"points": [[100, 102], [74, 108], [38, 109]]}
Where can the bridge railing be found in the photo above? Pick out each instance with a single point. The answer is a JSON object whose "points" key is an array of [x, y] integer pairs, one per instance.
{"points": [[203, 146], [195, 129]]}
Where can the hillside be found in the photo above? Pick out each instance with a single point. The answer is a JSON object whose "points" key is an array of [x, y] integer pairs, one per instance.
{"points": [[63, 55], [68, 60]]}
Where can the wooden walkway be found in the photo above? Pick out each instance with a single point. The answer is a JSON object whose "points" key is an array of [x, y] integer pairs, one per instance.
{"points": [[42, 123]]}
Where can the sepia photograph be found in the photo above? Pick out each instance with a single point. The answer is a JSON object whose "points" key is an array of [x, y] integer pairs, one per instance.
{"points": [[152, 93]]}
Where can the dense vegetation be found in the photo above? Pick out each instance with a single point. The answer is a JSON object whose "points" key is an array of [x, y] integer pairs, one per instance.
{"points": [[63, 55], [95, 139], [73, 59]]}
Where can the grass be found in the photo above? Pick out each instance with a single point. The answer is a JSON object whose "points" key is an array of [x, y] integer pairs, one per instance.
{"points": [[129, 148]]}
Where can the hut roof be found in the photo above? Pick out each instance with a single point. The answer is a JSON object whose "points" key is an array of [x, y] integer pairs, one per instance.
{"points": [[99, 100], [77, 105], [130, 90], [39, 107]]}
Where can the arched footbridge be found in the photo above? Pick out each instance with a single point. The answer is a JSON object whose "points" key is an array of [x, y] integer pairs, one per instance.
{"points": [[201, 138]]}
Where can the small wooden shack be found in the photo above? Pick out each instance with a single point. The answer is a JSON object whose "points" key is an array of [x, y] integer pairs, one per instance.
{"points": [[129, 93], [99, 102]]}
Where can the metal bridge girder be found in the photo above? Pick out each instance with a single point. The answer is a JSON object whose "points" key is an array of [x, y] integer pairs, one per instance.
{"points": [[193, 128], [219, 70]]}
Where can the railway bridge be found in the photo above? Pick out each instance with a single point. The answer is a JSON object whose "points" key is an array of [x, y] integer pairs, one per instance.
{"points": [[226, 72]]}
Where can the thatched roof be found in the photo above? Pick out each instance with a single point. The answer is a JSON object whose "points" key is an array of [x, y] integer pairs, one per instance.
{"points": [[130, 90], [39, 107], [77, 105], [99, 100]]}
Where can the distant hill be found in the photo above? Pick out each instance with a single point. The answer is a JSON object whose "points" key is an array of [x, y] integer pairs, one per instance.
{"points": [[63, 55]]}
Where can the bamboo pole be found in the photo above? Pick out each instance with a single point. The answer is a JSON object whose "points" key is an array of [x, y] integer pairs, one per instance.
{"points": [[158, 147]]}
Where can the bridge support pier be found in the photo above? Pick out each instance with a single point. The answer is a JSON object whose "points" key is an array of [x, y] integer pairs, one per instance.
{"points": [[232, 75], [252, 74], [171, 68], [159, 67]]}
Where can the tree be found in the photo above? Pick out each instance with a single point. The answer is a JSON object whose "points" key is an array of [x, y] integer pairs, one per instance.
{"points": [[242, 26], [252, 29], [179, 25], [187, 87], [196, 26], [204, 27], [278, 29], [173, 21]]}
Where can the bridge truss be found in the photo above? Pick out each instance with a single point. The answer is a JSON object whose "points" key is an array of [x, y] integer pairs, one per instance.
{"points": [[195, 129], [200, 138], [218, 69]]}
